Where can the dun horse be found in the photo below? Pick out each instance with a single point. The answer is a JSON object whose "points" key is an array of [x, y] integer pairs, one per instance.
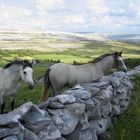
{"points": [[59, 75], [10, 76]]}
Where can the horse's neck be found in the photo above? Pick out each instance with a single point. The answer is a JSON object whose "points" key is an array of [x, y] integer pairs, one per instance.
{"points": [[106, 64], [14, 73]]}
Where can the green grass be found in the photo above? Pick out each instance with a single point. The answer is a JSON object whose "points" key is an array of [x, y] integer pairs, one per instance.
{"points": [[127, 125]]}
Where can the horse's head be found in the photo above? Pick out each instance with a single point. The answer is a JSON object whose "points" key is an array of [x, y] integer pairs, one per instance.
{"points": [[27, 74], [119, 63]]}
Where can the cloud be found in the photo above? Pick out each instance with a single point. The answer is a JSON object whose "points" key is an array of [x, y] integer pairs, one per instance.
{"points": [[135, 7], [13, 12], [71, 15], [74, 19], [43, 6], [98, 7]]}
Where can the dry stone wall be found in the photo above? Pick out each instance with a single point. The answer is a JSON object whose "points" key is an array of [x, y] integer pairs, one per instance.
{"points": [[84, 112]]}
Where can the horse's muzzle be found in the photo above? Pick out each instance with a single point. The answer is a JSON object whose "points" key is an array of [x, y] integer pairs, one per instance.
{"points": [[125, 70], [30, 86]]}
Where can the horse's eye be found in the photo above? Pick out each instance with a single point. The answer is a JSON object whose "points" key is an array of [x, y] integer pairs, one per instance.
{"points": [[24, 72]]}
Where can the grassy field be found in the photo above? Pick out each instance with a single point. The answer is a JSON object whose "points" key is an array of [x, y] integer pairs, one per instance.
{"points": [[127, 126]]}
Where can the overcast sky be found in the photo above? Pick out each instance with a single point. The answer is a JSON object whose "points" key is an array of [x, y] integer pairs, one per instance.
{"points": [[99, 16]]}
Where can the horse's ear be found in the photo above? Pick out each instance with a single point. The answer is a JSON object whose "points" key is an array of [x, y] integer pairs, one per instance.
{"points": [[33, 62], [22, 62], [120, 53], [116, 54]]}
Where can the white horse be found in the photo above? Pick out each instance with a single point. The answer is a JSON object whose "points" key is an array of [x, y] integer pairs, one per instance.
{"points": [[10, 77], [60, 74]]}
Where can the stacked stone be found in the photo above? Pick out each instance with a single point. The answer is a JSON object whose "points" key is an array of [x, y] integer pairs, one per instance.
{"points": [[83, 113]]}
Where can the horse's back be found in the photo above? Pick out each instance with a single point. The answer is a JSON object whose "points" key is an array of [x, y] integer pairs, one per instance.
{"points": [[59, 70]]}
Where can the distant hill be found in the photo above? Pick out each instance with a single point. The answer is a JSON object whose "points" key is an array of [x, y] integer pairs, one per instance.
{"points": [[77, 37], [130, 38]]}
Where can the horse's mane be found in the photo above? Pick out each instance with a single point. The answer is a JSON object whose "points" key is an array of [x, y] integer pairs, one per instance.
{"points": [[100, 58], [25, 63]]}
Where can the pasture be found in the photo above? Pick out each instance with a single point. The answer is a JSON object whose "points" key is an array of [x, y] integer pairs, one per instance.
{"points": [[127, 126]]}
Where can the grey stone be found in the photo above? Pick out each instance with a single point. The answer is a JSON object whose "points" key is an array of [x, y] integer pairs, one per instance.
{"points": [[49, 133], [115, 81], [121, 95], [44, 104], [114, 100], [29, 135], [22, 110], [62, 138], [6, 131], [133, 72], [64, 98], [78, 100], [119, 74], [106, 109], [100, 125], [83, 122], [127, 83], [12, 137], [101, 84], [55, 105], [77, 108], [102, 100], [78, 86], [106, 78], [124, 103], [104, 136], [93, 90], [137, 68], [36, 120], [20, 135], [89, 104], [95, 112], [107, 93], [121, 89], [86, 134], [9, 120], [65, 120], [116, 109], [80, 93]]}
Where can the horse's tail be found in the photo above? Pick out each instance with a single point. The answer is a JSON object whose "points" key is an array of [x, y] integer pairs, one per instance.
{"points": [[47, 85]]}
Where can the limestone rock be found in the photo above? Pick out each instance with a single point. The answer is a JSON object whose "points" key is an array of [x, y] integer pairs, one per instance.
{"points": [[77, 108], [49, 133], [65, 120], [86, 134], [65, 99], [29, 135], [12, 137], [36, 120], [80, 93]]}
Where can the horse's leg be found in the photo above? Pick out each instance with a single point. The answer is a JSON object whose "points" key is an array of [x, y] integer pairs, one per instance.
{"points": [[47, 84], [12, 102], [2, 103], [56, 91], [13, 95], [44, 96], [53, 92]]}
